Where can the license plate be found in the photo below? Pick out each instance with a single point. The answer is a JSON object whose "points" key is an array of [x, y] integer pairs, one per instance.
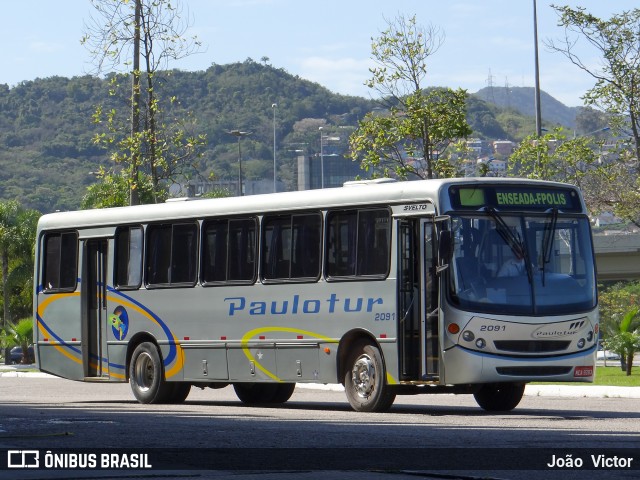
{"points": [[583, 371]]}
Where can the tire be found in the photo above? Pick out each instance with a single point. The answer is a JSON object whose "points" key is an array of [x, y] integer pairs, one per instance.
{"points": [[255, 393], [180, 392], [283, 392], [499, 397], [146, 375], [365, 380]]}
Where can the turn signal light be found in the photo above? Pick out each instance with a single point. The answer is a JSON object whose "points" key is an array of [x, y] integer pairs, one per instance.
{"points": [[453, 328]]}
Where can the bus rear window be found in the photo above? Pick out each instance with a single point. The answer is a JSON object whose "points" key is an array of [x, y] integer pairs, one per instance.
{"points": [[60, 261]]}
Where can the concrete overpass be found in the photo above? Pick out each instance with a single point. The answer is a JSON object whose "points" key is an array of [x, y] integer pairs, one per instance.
{"points": [[617, 257]]}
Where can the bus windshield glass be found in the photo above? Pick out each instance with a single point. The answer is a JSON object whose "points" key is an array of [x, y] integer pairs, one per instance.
{"points": [[533, 264]]}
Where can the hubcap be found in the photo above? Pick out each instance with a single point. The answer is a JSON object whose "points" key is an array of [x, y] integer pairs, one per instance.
{"points": [[363, 375], [143, 372]]}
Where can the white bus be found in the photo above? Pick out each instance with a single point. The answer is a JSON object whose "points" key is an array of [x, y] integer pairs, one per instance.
{"points": [[438, 286]]}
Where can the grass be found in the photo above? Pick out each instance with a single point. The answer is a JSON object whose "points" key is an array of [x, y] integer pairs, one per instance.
{"points": [[614, 376]]}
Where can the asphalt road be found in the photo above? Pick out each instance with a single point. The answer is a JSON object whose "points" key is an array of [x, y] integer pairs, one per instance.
{"points": [[315, 435]]}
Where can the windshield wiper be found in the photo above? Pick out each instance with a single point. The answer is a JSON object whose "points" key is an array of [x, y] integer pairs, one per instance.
{"points": [[513, 240], [547, 240]]}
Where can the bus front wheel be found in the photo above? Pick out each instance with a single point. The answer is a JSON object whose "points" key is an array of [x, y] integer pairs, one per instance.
{"points": [[146, 375], [364, 380], [499, 397]]}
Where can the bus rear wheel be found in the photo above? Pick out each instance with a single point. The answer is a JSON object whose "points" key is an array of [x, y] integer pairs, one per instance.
{"points": [[179, 393], [146, 375], [499, 397], [254, 393], [364, 380]]}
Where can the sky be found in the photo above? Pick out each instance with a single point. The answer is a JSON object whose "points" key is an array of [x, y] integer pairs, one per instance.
{"points": [[487, 42]]}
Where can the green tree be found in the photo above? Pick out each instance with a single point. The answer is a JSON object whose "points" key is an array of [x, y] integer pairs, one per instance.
{"points": [[625, 339], [112, 190], [417, 124], [617, 74], [17, 236], [554, 157], [19, 334], [619, 320], [153, 31]]}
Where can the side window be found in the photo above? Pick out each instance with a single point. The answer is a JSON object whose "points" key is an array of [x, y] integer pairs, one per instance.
{"points": [[358, 243], [291, 246], [60, 261], [374, 233], [229, 251], [172, 252], [128, 263]]}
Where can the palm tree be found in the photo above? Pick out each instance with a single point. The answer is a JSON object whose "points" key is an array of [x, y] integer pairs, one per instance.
{"points": [[17, 237], [626, 340], [20, 334]]}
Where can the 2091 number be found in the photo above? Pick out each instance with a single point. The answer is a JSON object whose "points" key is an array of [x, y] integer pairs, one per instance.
{"points": [[493, 328], [385, 316]]}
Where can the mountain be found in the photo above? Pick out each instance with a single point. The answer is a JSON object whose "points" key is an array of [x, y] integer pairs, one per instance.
{"points": [[522, 99], [48, 155]]}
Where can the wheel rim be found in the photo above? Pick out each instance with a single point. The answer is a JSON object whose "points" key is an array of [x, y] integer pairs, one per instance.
{"points": [[363, 375], [144, 372]]}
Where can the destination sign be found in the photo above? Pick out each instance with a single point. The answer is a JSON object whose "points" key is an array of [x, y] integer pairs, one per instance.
{"points": [[514, 197]]}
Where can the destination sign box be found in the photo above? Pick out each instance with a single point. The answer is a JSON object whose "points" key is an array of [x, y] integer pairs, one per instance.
{"points": [[514, 197]]}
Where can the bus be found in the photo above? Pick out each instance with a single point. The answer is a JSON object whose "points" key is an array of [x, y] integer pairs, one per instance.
{"points": [[467, 286]]}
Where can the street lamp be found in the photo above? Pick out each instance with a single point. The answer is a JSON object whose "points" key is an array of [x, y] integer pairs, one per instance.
{"points": [[273, 107], [536, 72], [239, 134]]}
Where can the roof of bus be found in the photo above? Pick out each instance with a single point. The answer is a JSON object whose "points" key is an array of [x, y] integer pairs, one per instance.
{"points": [[352, 194]]}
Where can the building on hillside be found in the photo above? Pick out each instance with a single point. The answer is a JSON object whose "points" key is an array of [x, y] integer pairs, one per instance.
{"points": [[503, 147], [337, 170]]}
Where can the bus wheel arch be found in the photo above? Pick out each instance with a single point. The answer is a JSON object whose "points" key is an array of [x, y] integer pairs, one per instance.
{"points": [[145, 369], [363, 373]]}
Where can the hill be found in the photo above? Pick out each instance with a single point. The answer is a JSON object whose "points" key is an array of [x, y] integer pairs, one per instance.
{"points": [[522, 99], [48, 155]]}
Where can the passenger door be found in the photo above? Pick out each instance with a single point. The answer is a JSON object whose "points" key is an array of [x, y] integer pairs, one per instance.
{"points": [[94, 308], [418, 327]]}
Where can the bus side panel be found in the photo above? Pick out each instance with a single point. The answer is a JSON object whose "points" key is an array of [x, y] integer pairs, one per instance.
{"points": [[205, 363], [57, 334], [117, 361], [389, 350], [252, 363], [298, 363]]}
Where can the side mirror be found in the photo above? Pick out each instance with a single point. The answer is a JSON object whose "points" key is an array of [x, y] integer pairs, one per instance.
{"points": [[445, 250]]}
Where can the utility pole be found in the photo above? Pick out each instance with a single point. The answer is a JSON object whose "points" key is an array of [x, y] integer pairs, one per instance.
{"points": [[134, 197]]}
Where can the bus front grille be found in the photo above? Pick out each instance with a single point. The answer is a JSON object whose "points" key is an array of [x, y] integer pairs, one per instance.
{"points": [[531, 346], [533, 371]]}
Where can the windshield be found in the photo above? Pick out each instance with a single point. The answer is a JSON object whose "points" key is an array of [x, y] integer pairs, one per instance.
{"points": [[516, 264]]}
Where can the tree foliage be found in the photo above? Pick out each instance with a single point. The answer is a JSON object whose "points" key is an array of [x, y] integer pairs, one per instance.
{"points": [[124, 33], [571, 160], [620, 320], [417, 124], [17, 234], [617, 74], [18, 334]]}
